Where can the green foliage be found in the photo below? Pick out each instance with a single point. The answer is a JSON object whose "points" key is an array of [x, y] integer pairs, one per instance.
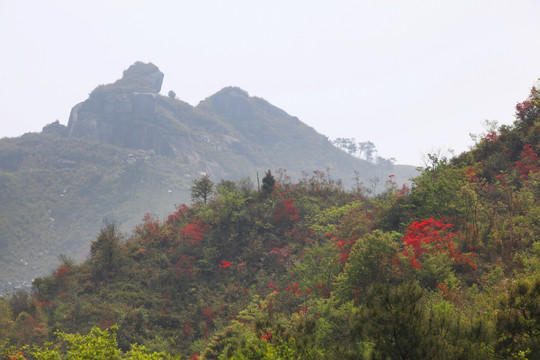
{"points": [[403, 327], [372, 260], [105, 252], [97, 344], [518, 322], [268, 183], [202, 189], [434, 191]]}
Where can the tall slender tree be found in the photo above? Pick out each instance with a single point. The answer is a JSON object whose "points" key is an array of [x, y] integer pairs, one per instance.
{"points": [[202, 189]]}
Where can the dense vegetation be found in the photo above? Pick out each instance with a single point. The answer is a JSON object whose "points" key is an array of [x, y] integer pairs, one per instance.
{"points": [[446, 269]]}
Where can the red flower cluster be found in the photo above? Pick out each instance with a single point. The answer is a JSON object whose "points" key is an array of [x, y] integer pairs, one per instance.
{"points": [[267, 336], [286, 211], [150, 230], [431, 236], [209, 316], [194, 231], [294, 289], [471, 175], [523, 107], [528, 162], [17, 356], [179, 213], [344, 246], [405, 190], [61, 272], [447, 294], [490, 137], [225, 264]]}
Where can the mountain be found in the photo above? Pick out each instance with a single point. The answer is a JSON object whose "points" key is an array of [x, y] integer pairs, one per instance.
{"points": [[446, 269], [127, 151]]}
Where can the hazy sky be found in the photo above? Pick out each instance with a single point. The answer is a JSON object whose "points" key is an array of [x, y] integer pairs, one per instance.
{"points": [[410, 76]]}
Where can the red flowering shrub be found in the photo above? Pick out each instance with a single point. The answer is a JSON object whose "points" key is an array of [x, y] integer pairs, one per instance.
{"points": [[61, 272], [267, 336], [471, 175], [150, 229], [19, 355], [529, 107], [446, 291], [344, 247], [294, 289], [225, 264], [432, 237], [208, 316], [181, 210], [528, 162], [286, 211], [490, 137], [194, 231]]}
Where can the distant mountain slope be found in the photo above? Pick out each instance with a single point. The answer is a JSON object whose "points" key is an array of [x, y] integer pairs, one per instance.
{"points": [[55, 191], [274, 139], [127, 151]]}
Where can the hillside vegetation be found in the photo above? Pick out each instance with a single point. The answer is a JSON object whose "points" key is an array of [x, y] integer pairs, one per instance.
{"points": [[446, 269], [127, 151]]}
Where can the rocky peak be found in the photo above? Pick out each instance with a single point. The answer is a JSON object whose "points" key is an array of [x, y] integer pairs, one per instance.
{"points": [[139, 77], [123, 113], [231, 102], [143, 76]]}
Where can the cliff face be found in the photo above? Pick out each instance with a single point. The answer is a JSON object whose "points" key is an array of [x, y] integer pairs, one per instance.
{"points": [[123, 113]]}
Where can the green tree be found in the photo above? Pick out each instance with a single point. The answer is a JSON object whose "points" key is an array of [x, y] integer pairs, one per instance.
{"points": [[396, 321], [105, 251], [518, 322], [402, 324], [202, 190], [371, 261], [96, 345], [268, 183]]}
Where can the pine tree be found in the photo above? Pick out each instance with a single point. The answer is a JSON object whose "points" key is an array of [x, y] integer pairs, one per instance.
{"points": [[202, 190], [268, 183]]}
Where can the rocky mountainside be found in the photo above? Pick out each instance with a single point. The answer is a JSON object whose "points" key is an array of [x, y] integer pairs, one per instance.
{"points": [[127, 151]]}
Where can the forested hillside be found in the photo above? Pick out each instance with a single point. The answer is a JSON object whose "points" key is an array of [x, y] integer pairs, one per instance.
{"points": [[445, 269], [127, 150]]}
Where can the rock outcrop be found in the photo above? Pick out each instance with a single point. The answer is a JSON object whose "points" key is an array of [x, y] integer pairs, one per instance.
{"points": [[55, 128], [122, 113]]}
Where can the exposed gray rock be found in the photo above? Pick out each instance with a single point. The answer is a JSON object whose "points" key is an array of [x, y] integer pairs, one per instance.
{"points": [[123, 113]]}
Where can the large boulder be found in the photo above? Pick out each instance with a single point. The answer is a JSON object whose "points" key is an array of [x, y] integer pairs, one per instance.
{"points": [[123, 113], [141, 77]]}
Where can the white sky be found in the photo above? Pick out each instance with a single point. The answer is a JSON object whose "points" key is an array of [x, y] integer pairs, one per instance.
{"points": [[410, 76]]}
